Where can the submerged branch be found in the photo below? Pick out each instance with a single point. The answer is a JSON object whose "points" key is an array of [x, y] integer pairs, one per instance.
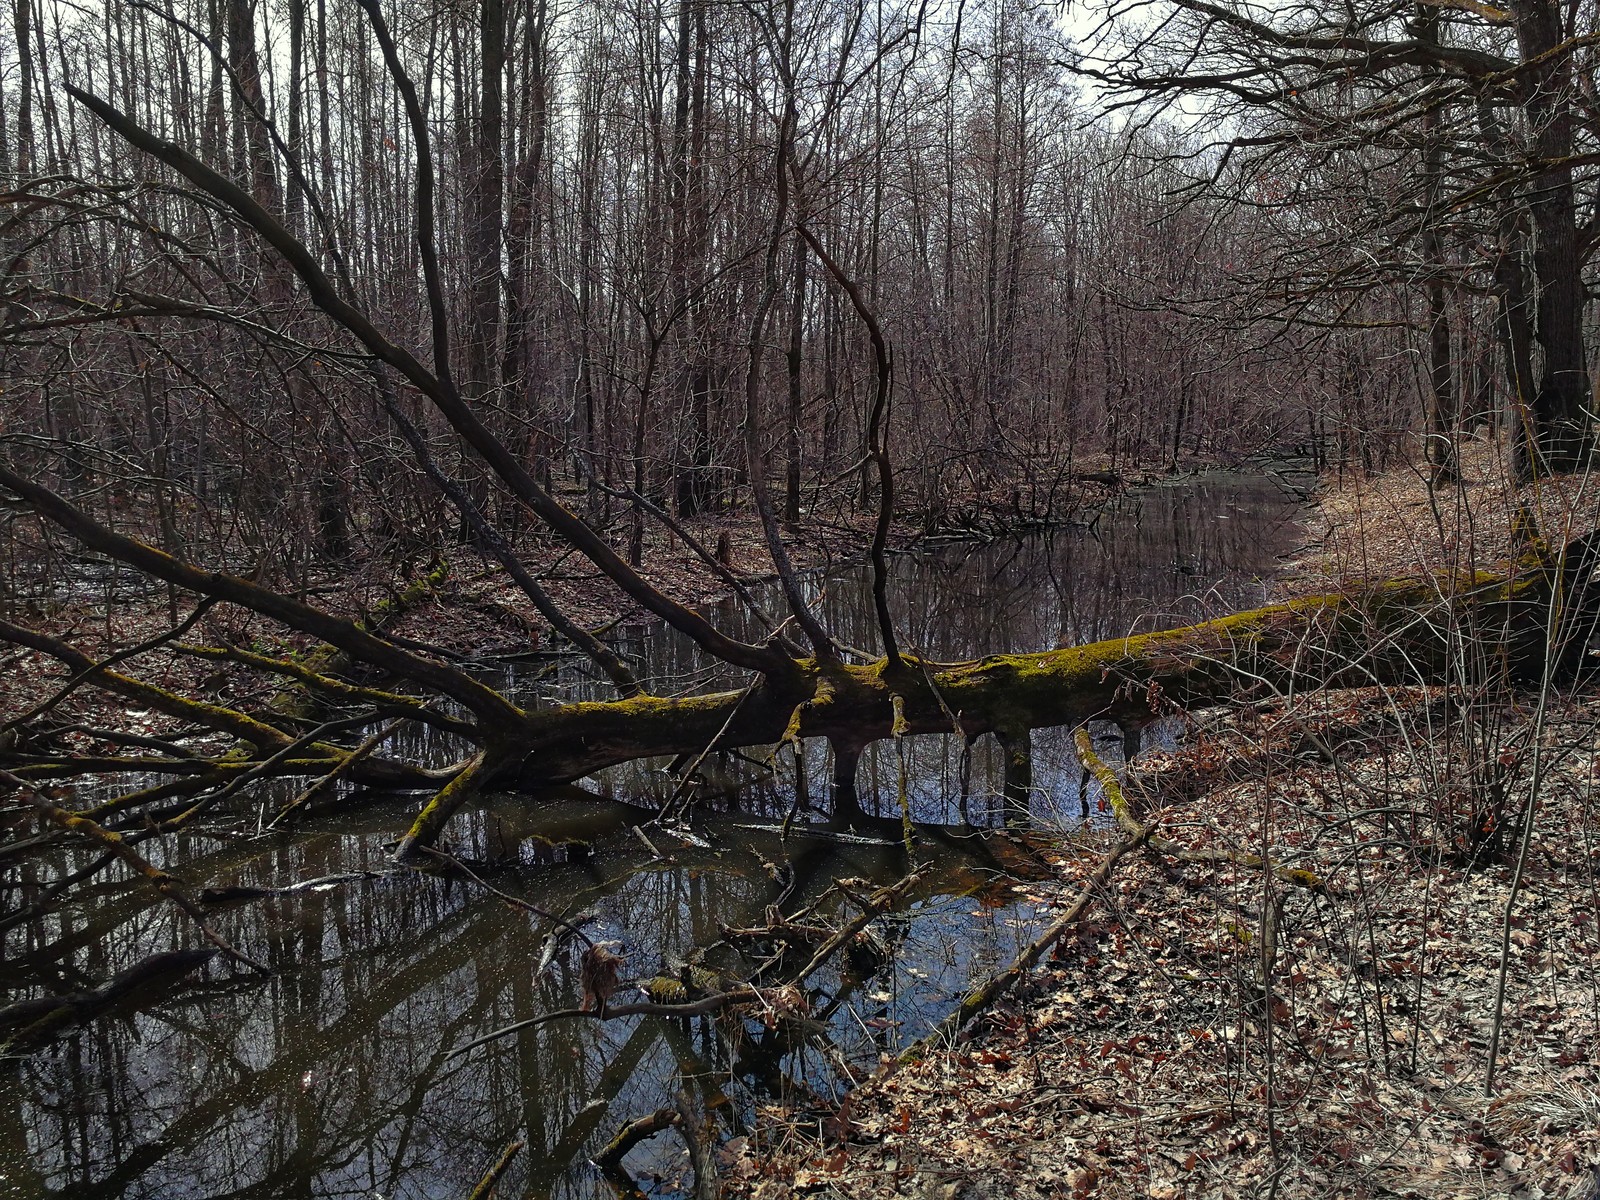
{"points": [[486, 1185], [997, 985], [29, 1022], [778, 994]]}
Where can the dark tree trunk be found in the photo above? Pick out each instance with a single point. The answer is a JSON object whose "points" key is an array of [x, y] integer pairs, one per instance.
{"points": [[1442, 411], [1513, 328], [23, 156], [485, 202], [1561, 423]]}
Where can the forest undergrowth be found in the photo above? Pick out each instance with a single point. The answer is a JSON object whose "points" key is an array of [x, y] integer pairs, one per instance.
{"points": [[1219, 1023]]}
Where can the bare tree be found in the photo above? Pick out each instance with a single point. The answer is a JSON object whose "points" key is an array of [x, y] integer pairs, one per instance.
{"points": [[1303, 86]]}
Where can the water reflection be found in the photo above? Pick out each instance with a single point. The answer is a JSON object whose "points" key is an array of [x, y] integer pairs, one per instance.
{"points": [[331, 1077]]}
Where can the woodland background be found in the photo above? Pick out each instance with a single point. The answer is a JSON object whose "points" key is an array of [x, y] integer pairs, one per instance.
{"points": [[1081, 239]]}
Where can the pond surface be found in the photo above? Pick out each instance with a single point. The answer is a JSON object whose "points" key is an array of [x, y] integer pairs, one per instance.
{"points": [[334, 1077]]}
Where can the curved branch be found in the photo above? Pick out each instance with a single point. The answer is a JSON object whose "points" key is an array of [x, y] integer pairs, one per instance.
{"points": [[441, 392], [492, 539], [211, 716], [877, 429]]}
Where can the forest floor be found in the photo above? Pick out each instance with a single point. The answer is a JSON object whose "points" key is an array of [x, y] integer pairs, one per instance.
{"points": [[1209, 1029]]}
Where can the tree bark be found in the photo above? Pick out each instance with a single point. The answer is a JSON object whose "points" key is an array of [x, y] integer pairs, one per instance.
{"points": [[23, 152], [795, 361], [1565, 437], [1390, 633], [1443, 415]]}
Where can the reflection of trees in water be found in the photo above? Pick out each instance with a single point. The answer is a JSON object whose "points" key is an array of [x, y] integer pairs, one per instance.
{"points": [[1186, 551], [294, 1083], [329, 1077], [1167, 555], [1147, 555]]}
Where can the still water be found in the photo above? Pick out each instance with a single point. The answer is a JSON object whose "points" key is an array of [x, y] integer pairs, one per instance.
{"points": [[333, 1076]]}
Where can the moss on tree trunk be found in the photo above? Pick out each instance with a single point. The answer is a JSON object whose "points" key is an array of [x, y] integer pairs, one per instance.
{"points": [[1403, 631]]}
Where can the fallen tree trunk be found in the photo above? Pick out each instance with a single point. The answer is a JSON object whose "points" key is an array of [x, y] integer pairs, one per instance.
{"points": [[1398, 632]]}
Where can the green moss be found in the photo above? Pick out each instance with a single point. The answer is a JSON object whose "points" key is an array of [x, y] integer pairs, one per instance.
{"points": [[431, 820], [663, 989], [1294, 641], [212, 716], [290, 665]]}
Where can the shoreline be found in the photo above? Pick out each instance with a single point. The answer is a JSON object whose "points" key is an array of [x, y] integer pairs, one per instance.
{"points": [[1153, 1056]]}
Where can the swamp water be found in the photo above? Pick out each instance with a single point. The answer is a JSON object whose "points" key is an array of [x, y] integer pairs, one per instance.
{"points": [[334, 1076]]}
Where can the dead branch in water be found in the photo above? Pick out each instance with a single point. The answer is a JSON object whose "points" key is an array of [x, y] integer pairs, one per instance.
{"points": [[779, 996]]}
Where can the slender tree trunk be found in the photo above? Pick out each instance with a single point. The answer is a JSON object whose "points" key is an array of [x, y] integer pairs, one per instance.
{"points": [[520, 375], [254, 146], [23, 155], [1439, 444], [792, 426], [485, 206], [1512, 326], [297, 42]]}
